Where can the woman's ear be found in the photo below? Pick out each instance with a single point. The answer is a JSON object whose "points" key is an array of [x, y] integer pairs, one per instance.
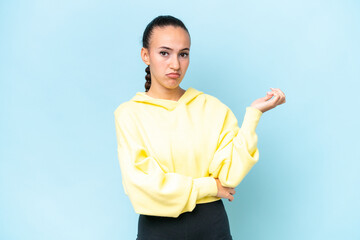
{"points": [[145, 56]]}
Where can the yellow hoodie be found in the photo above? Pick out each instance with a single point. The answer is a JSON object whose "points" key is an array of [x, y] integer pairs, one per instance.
{"points": [[171, 151]]}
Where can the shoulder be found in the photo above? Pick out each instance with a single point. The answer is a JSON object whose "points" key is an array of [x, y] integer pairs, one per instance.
{"points": [[125, 110], [215, 102], [220, 109]]}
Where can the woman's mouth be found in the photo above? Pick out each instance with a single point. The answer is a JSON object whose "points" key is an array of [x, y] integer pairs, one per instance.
{"points": [[173, 75]]}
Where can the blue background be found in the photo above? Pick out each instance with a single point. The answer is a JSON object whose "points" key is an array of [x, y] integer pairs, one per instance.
{"points": [[66, 65]]}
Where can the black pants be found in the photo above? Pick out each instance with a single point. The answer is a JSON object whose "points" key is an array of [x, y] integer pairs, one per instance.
{"points": [[208, 221]]}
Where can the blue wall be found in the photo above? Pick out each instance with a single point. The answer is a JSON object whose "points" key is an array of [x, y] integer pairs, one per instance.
{"points": [[66, 65]]}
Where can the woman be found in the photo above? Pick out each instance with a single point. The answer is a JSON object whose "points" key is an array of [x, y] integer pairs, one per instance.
{"points": [[181, 151]]}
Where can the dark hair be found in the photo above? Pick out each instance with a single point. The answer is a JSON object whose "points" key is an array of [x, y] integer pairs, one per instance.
{"points": [[160, 21]]}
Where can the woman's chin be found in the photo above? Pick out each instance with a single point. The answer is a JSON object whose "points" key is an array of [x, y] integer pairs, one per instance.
{"points": [[172, 83]]}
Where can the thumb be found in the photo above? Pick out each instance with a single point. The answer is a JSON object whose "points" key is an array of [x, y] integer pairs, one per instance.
{"points": [[268, 96]]}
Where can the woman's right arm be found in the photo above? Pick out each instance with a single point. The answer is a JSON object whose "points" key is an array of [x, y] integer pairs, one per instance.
{"points": [[152, 190]]}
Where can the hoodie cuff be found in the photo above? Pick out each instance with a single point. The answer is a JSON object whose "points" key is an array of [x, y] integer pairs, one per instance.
{"points": [[206, 186], [251, 119]]}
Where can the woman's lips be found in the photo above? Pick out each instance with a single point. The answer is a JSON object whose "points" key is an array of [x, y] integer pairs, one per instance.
{"points": [[173, 75]]}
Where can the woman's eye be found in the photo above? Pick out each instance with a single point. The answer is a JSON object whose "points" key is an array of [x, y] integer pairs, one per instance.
{"points": [[186, 54], [161, 53]]}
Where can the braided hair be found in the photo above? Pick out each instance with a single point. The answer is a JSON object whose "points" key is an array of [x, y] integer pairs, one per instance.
{"points": [[160, 21]]}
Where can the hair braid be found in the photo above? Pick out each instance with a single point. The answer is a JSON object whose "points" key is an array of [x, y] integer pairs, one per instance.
{"points": [[148, 79]]}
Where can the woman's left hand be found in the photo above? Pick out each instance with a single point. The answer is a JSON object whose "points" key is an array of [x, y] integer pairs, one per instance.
{"points": [[264, 104]]}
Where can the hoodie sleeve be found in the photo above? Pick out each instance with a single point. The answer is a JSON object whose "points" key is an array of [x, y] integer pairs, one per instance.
{"points": [[152, 190], [237, 150]]}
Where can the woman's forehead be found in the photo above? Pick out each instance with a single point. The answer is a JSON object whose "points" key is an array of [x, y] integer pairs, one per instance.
{"points": [[171, 37]]}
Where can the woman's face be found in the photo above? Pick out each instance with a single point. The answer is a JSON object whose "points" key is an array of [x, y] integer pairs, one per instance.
{"points": [[168, 52]]}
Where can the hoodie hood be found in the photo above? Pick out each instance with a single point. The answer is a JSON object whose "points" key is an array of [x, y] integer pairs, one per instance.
{"points": [[189, 95]]}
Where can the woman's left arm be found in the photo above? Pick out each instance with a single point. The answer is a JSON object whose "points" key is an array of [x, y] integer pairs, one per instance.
{"points": [[237, 149]]}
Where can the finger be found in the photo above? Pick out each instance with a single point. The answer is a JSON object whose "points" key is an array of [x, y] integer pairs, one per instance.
{"points": [[278, 100], [231, 198], [268, 96], [277, 91], [282, 100], [275, 96], [275, 99], [270, 93], [282, 92], [282, 95]]}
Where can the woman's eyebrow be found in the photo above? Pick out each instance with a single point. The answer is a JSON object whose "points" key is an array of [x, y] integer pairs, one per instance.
{"points": [[172, 49]]}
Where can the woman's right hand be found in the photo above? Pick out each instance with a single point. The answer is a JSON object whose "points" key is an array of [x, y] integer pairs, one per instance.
{"points": [[224, 192]]}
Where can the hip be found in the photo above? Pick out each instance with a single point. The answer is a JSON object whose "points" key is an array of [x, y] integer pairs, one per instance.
{"points": [[206, 221]]}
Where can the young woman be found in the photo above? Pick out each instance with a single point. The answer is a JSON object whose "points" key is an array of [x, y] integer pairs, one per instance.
{"points": [[182, 151]]}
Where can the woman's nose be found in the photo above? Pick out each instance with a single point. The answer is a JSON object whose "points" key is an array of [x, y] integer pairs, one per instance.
{"points": [[175, 63]]}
